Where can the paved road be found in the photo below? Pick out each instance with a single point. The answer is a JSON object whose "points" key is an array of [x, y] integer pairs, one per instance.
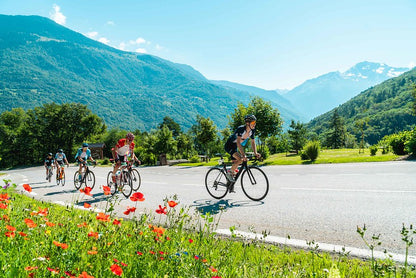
{"points": [[322, 202]]}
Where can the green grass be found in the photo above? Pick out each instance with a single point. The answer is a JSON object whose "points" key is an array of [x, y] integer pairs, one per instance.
{"points": [[38, 239], [325, 156]]}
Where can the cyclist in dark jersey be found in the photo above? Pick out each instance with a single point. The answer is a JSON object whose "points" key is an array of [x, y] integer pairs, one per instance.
{"points": [[238, 140], [49, 161]]}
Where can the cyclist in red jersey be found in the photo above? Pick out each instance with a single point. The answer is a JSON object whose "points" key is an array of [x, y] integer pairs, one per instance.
{"points": [[123, 149]]}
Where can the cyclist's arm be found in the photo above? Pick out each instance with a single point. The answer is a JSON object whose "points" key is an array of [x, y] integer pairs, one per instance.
{"points": [[253, 146]]}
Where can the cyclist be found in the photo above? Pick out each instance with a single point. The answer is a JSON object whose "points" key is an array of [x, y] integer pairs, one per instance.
{"points": [[83, 154], [123, 149], [237, 141], [60, 158], [49, 161]]}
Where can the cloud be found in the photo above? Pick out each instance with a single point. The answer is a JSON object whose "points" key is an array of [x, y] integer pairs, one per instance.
{"points": [[104, 40], [92, 35], [138, 41], [110, 22], [57, 16], [140, 50]]}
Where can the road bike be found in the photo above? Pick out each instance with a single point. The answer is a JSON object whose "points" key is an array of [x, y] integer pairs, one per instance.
{"points": [[87, 178], [124, 181], [254, 181], [60, 175], [50, 173], [135, 176]]}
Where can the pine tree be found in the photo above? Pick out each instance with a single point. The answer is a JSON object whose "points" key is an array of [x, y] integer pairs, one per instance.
{"points": [[337, 134]]}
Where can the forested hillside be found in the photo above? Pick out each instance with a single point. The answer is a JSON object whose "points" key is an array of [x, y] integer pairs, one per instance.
{"points": [[43, 62], [384, 109]]}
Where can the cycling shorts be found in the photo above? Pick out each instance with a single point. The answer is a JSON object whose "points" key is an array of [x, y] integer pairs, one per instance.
{"points": [[121, 158], [231, 148]]}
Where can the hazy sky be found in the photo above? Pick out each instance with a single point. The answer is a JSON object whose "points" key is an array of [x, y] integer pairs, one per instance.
{"points": [[264, 43]]}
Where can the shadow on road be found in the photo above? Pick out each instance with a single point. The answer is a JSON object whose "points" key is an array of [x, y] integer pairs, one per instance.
{"points": [[213, 206]]}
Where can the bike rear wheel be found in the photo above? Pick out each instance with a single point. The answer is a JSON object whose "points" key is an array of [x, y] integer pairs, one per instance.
{"points": [[136, 179], [254, 183], [216, 183]]}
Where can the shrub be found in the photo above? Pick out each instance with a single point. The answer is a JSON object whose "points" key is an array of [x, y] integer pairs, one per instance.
{"points": [[373, 150], [106, 161], [410, 144], [303, 155], [312, 150], [194, 159], [397, 141]]}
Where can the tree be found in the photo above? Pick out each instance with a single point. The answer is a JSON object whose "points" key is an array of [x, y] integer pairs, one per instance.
{"points": [[414, 98], [171, 125], [297, 135], [337, 133], [204, 132], [185, 145], [165, 144]]}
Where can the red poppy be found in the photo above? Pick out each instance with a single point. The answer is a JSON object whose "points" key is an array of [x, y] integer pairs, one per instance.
{"points": [[139, 253], [30, 268], [84, 224], [50, 224], [86, 205], [30, 223], [62, 245], [93, 234], [116, 222], [43, 212], [213, 269], [27, 187], [172, 204], [107, 190], [116, 269], [4, 197], [129, 209], [3, 206], [191, 240], [6, 218], [56, 271], [137, 196], [85, 275], [162, 210], [86, 190], [22, 234], [10, 228], [103, 217], [9, 234]]}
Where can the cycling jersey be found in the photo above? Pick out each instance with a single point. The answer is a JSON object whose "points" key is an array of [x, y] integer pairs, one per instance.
{"points": [[49, 161], [60, 158], [241, 132], [123, 149], [83, 155]]}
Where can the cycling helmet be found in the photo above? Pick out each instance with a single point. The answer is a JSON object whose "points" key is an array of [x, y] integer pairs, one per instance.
{"points": [[60, 151], [49, 154], [130, 136], [84, 145], [250, 118]]}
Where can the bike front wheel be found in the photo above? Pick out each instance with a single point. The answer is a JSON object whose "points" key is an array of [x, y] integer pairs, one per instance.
{"points": [[111, 184], [89, 179], [216, 183], [77, 180], [254, 183], [63, 178], [126, 184], [136, 180]]}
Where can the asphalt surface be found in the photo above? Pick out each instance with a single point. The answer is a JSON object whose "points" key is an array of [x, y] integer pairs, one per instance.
{"points": [[324, 203]]}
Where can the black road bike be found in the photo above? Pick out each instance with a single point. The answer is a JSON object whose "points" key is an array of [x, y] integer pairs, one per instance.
{"points": [[124, 182], [87, 178], [254, 181]]}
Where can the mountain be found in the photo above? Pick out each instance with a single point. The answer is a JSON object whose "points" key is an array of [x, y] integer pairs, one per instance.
{"points": [[286, 109], [42, 62], [387, 107], [321, 94]]}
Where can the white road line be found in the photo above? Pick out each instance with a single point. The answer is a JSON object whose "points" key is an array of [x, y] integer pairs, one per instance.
{"points": [[348, 190]]}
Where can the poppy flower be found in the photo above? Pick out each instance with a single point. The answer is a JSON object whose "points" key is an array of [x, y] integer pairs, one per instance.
{"points": [[30, 268], [9, 234], [56, 271], [43, 212], [213, 269], [116, 222], [50, 224], [62, 245], [161, 210], [139, 253], [191, 240], [107, 190], [93, 234], [10, 228], [85, 275], [84, 224], [129, 209], [103, 217], [92, 252], [137, 196], [30, 223], [22, 234], [86, 205], [4, 197], [3, 206], [116, 269], [172, 204], [6, 218], [117, 261], [27, 187], [86, 190]]}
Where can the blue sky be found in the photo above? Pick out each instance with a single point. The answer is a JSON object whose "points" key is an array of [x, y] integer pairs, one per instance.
{"points": [[264, 43]]}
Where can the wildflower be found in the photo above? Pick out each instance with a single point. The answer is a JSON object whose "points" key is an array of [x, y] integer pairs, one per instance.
{"points": [[50, 224], [152, 252], [85, 275], [117, 261], [129, 209], [27, 187], [84, 224], [56, 271], [93, 234], [93, 252], [86, 190], [86, 205], [6, 218], [196, 257], [139, 253], [107, 190], [191, 240], [4, 197], [30, 223], [213, 269], [137, 196], [7, 185], [162, 210], [10, 228], [116, 222], [43, 212], [22, 234], [3, 206], [103, 217], [172, 204], [116, 269], [9, 234], [30, 268], [62, 245]]}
